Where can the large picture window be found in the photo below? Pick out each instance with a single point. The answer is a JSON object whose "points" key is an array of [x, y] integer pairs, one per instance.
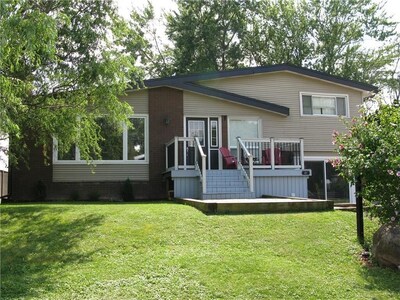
{"points": [[324, 105], [136, 139], [245, 128], [120, 144]]}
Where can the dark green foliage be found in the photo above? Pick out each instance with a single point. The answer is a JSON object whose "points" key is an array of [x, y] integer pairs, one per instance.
{"points": [[75, 195], [127, 191], [93, 196], [350, 38], [40, 191], [61, 61], [206, 34]]}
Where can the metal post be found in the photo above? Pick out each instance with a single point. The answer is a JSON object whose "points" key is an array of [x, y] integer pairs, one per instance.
{"points": [[359, 212]]}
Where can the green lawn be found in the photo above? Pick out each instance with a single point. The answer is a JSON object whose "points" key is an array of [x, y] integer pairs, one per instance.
{"points": [[171, 251]]}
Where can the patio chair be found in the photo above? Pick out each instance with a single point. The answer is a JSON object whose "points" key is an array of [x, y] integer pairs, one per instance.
{"points": [[230, 162], [266, 156]]}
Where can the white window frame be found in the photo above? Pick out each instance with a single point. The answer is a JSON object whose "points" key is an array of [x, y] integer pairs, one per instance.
{"points": [[346, 100], [215, 122], [239, 118], [125, 160]]}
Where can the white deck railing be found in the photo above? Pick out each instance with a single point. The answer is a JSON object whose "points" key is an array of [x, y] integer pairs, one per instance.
{"points": [[274, 153], [203, 173], [182, 153], [242, 151]]}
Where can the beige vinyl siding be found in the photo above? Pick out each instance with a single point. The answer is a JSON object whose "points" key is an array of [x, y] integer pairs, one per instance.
{"points": [[328, 154], [106, 172], [282, 88], [138, 100]]}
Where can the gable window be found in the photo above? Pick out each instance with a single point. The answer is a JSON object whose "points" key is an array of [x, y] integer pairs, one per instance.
{"points": [[120, 145], [324, 105]]}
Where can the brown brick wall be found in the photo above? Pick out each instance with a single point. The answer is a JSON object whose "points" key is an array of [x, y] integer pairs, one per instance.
{"points": [[24, 179], [224, 127], [164, 103]]}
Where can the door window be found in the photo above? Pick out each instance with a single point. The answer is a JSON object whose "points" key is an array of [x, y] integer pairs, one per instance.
{"points": [[197, 129]]}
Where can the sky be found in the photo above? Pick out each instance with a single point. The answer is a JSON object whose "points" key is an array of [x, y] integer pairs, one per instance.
{"points": [[125, 6]]}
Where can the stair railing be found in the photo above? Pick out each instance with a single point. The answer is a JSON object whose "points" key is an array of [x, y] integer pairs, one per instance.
{"points": [[199, 150], [241, 149]]}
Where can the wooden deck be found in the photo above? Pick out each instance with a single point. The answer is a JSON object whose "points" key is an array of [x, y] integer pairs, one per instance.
{"points": [[259, 205]]}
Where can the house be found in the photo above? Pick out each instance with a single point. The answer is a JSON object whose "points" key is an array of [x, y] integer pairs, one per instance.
{"points": [[276, 121]]}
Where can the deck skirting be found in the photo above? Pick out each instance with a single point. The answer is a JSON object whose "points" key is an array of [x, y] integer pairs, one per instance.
{"points": [[238, 206]]}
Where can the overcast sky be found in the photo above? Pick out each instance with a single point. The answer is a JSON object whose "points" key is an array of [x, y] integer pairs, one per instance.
{"points": [[125, 6]]}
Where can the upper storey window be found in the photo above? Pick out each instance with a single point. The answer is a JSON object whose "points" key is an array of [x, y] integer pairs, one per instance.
{"points": [[324, 105]]}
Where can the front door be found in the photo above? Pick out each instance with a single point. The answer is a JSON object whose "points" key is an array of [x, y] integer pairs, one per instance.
{"points": [[207, 130]]}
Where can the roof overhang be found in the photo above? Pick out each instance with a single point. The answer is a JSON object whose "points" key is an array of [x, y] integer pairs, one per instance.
{"points": [[190, 83]]}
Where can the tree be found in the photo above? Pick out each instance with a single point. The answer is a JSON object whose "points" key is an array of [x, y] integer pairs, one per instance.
{"points": [[62, 65], [329, 36], [278, 32], [340, 31], [370, 150], [144, 42], [206, 34]]}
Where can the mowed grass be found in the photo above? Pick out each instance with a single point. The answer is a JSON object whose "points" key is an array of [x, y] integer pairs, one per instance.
{"points": [[172, 251]]}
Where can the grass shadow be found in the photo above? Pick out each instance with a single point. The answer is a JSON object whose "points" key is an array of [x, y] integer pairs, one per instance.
{"points": [[381, 279], [37, 243]]}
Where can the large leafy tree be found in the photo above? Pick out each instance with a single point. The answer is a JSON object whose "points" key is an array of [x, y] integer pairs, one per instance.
{"points": [[206, 34], [330, 36], [341, 29], [278, 32], [143, 40], [62, 65]]}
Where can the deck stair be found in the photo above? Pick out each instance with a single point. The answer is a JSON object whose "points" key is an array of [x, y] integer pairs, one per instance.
{"points": [[227, 184]]}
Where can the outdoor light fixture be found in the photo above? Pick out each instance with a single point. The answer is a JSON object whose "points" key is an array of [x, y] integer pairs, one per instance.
{"points": [[167, 120]]}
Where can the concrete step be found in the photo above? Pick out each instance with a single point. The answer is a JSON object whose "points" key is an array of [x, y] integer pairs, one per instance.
{"points": [[245, 195], [249, 205], [225, 178], [223, 172], [230, 183], [227, 190]]}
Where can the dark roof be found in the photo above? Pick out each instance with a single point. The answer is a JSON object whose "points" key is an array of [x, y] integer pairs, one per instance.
{"points": [[187, 82]]}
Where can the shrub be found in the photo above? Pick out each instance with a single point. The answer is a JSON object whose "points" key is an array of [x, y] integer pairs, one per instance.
{"points": [[75, 196], [93, 196], [370, 150], [40, 191], [127, 191]]}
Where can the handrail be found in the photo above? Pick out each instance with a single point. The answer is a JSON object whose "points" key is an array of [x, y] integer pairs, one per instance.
{"points": [[176, 141], [249, 157], [203, 164]]}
